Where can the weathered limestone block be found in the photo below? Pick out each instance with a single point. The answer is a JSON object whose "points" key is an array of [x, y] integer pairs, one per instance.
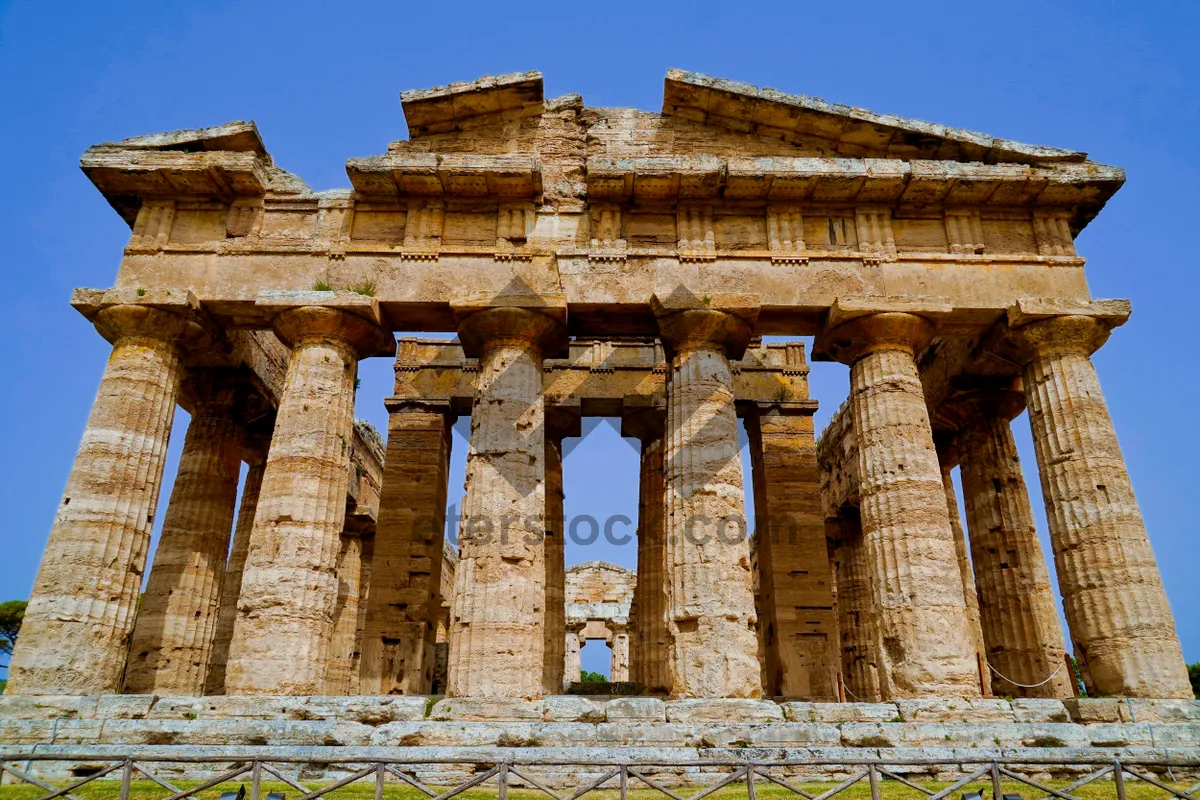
{"points": [[636, 709], [1016, 602], [724, 710], [404, 604], [173, 635], [650, 734], [841, 712], [255, 455], [236, 732], [486, 709], [947, 454], [1093, 709], [648, 661], [1142, 710], [924, 647], [1039, 709], [47, 707], [711, 617], [798, 624], [40, 731], [1113, 596], [345, 614], [80, 614], [124, 706], [289, 589], [619, 660], [954, 710], [497, 638], [568, 708], [369, 710], [572, 669]]}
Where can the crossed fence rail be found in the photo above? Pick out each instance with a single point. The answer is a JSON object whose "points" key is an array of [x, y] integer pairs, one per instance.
{"points": [[617, 774]]}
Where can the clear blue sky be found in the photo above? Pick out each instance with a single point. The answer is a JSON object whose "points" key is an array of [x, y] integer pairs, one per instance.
{"points": [[1116, 78]]}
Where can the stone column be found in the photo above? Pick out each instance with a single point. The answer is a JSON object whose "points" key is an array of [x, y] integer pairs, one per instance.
{"points": [[924, 645], [76, 630], [173, 635], [572, 671], [618, 668], [1113, 596], [710, 594], [856, 610], [1016, 603], [497, 621], [799, 624], [648, 659], [401, 624], [289, 592], [364, 601], [559, 423], [254, 453], [947, 454], [345, 615]]}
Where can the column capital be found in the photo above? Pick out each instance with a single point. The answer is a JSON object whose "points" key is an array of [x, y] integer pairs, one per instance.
{"points": [[170, 315], [850, 341], [491, 327], [341, 316], [1071, 334], [721, 321]]}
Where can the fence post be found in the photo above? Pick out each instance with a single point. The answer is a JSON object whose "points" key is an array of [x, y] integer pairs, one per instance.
{"points": [[380, 772], [625, 782], [750, 790], [504, 781], [841, 687], [873, 777], [256, 780], [997, 790], [1119, 778], [126, 778]]}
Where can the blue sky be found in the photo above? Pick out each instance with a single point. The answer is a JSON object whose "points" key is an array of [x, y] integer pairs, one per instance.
{"points": [[1116, 78]]}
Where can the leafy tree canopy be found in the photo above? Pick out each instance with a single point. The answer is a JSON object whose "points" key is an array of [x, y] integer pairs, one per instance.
{"points": [[592, 677], [11, 614], [1194, 674]]}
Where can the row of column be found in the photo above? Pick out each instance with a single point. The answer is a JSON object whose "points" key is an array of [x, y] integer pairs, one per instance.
{"points": [[903, 604], [907, 621], [296, 597]]}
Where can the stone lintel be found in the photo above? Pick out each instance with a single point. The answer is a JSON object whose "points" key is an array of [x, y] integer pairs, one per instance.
{"points": [[787, 408], [372, 337], [564, 420], [643, 417], [200, 331], [236, 136], [470, 104], [425, 405]]}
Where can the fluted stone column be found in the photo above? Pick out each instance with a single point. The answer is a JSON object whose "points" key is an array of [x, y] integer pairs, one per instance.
{"points": [[1016, 602], [560, 423], [285, 619], [400, 628], [572, 670], [648, 658], [497, 620], [173, 635], [255, 455], [947, 454], [618, 668], [856, 611], [1113, 595], [711, 617], [924, 645], [798, 626], [345, 615], [76, 630]]}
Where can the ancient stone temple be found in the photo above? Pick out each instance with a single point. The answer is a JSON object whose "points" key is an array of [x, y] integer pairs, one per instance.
{"points": [[656, 268]]}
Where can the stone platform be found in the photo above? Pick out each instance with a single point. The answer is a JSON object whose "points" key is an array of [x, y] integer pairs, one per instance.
{"points": [[572, 728]]}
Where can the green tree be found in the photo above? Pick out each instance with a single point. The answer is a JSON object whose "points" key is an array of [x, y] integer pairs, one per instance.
{"points": [[11, 614], [592, 677], [1194, 674]]}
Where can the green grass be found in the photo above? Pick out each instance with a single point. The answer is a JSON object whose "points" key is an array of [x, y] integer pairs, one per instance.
{"points": [[364, 789]]}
